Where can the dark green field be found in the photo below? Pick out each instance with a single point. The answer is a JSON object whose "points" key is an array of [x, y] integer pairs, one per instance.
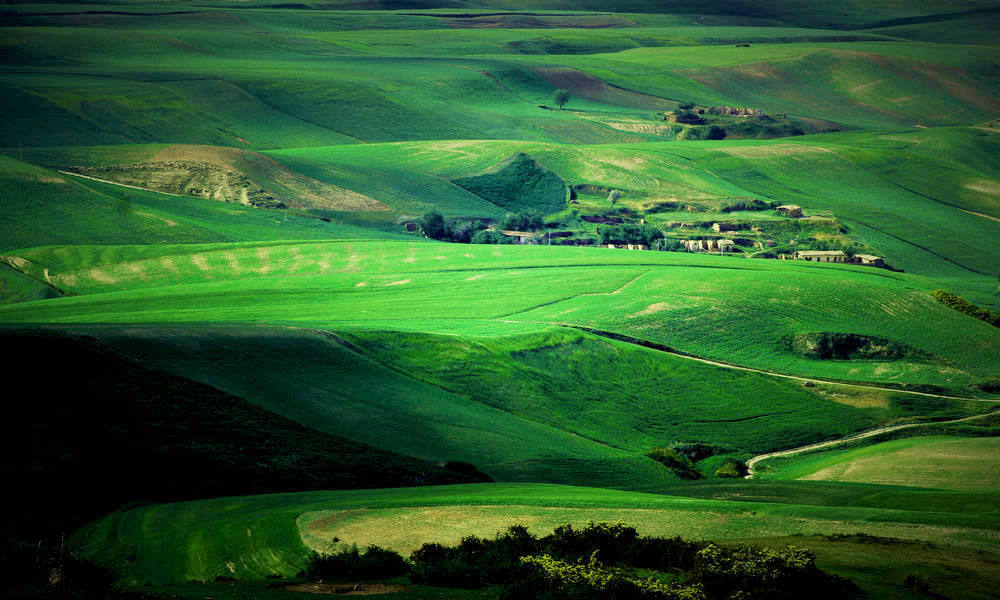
{"points": [[232, 341]]}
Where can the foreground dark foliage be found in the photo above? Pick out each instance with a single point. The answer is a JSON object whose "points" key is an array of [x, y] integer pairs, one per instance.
{"points": [[373, 563], [602, 561]]}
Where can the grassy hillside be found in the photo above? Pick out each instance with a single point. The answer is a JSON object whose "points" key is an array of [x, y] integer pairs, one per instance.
{"points": [[260, 78], [907, 194], [241, 308], [178, 439], [683, 301], [44, 207]]}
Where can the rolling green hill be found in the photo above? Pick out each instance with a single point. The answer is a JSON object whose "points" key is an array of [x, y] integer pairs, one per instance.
{"points": [[213, 277], [682, 301]]}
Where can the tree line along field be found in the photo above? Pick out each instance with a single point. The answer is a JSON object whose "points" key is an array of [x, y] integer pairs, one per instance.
{"points": [[289, 355]]}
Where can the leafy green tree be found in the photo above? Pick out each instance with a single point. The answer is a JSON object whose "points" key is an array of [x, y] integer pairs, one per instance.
{"points": [[529, 220], [613, 197], [561, 98], [463, 231], [489, 236], [716, 133], [630, 233], [434, 226]]}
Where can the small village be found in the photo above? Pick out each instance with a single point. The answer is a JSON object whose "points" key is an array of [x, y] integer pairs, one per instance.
{"points": [[735, 238]]}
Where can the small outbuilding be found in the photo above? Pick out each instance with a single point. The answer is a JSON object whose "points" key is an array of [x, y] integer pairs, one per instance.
{"points": [[790, 210], [869, 259], [721, 227], [521, 237], [832, 256]]}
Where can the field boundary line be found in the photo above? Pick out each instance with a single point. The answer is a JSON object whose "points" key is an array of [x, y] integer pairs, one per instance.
{"points": [[857, 436]]}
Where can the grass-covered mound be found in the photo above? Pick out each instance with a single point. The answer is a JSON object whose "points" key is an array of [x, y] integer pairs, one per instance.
{"points": [[518, 184]]}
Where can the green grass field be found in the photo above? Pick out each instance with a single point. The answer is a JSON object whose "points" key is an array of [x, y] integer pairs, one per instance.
{"points": [[934, 462], [683, 301], [555, 369], [252, 537]]}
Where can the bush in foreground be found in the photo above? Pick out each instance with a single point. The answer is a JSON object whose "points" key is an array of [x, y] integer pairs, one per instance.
{"points": [[373, 563]]}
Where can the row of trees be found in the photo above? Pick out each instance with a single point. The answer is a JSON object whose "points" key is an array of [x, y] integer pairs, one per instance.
{"points": [[475, 231], [629, 233]]}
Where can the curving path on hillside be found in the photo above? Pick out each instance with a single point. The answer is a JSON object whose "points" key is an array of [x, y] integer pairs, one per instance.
{"points": [[809, 447], [660, 347], [857, 436]]}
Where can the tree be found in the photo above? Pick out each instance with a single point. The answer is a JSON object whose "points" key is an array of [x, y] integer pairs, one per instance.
{"points": [[489, 236], [529, 220], [613, 197], [561, 98], [716, 133], [434, 226], [629, 233]]}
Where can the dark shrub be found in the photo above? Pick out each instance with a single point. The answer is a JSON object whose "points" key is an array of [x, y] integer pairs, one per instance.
{"points": [[375, 562], [612, 542], [434, 226], [675, 461], [767, 573], [731, 468]]}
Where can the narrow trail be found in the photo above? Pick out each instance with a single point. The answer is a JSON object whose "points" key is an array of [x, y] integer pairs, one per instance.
{"points": [[654, 346], [980, 215], [809, 447], [858, 436], [134, 187]]}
